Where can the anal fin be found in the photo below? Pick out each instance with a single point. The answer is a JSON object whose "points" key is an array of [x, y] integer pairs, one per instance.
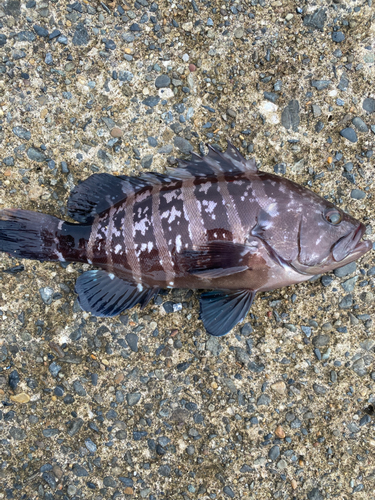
{"points": [[221, 310], [104, 294]]}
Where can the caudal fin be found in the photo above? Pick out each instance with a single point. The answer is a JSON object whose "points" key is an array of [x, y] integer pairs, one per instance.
{"points": [[29, 235]]}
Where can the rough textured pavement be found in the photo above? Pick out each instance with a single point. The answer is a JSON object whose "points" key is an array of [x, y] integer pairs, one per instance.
{"points": [[146, 405]]}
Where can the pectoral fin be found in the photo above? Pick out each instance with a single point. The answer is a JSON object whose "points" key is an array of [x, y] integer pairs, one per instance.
{"points": [[221, 310], [104, 294]]}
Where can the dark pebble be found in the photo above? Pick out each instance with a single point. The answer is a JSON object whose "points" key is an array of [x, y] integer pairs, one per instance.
{"points": [[369, 105], [79, 389], [315, 494], [228, 491], [151, 101], [321, 340], [164, 470], [13, 380], [146, 161], [49, 478], [320, 84], [3, 40], [81, 36], [274, 452], [26, 36], [133, 398], [357, 194], [290, 116], [316, 20], [319, 389], [135, 27], [162, 81], [326, 280], [22, 133], [340, 272], [359, 124], [319, 127], [39, 30], [59, 390], [35, 155], [364, 420], [54, 368], [346, 302], [79, 471], [349, 133], [132, 341], [271, 96], [183, 145], [280, 168], [338, 36], [74, 427]]}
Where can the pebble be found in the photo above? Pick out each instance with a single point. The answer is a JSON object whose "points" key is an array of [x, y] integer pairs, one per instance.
{"points": [[338, 36], [316, 19], [22, 133], [46, 293], [349, 133], [279, 387], [320, 84], [271, 96], [315, 494], [290, 116], [359, 124], [81, 36], [274, 453], [239, 33], [183, 145], [35, 155], [340, 272], [357, 194], [13, 379], [22, 397], [162, 81], [116, 132], [346, 302], [321, 340], [349, 284], [369, 105], [132, 341], [133, 398]]}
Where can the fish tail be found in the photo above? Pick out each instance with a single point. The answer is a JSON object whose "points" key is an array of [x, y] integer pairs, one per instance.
{"points": [[30, 235]]}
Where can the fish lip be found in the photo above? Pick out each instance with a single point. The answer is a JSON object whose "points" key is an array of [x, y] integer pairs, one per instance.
{"points": [[348, 245]]}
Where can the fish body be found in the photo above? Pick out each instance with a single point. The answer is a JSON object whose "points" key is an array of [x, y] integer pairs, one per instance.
{"points": [[212, 223]]}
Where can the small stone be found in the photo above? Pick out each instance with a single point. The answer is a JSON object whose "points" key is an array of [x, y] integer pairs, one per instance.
{"points": [[369, 105], [54, 368], [117, 132], [239, 33], [22, 133], [20, 398], [46, 293], [359, 124], [315, 494], [345, 270], [279, 387], [338, 36], [289, 17], [74, 427], [132, 341], [316, 110], [316, 20], [81, 36], [367, 297], [320, 84], [146, 161], [151, 101], [321, 340], [349, 134], [13, 380], [79, 471], [357, 194], [183, 145], [280, 432], [229, 492], [162, 81], [35, 155], [274, 452], [39, 30], [271, 96], [214, 346], [290, 116], [319, 389], [349, 284], [133, 398], [346, 302], [326, 280], [319, 127], [263, 400], [17, 433], [192, 67], [79, 389]]}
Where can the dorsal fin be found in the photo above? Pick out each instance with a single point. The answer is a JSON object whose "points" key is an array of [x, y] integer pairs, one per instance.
{"points": [[100, 191]]}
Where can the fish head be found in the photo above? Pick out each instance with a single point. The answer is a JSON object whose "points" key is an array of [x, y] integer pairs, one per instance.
{"points": [[327, 238]]}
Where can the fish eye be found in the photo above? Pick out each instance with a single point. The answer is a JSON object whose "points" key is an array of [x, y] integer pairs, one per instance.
{"points": [[333, 216]]}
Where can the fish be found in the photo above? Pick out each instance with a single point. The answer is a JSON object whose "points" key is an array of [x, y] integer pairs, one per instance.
{"points": [[213, 223]]}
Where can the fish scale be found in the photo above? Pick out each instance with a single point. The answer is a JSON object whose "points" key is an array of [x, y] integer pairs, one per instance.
{"points": [[215, 222]]}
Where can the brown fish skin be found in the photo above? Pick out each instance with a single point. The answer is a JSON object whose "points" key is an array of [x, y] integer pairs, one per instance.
{"points": [[215, 222]]}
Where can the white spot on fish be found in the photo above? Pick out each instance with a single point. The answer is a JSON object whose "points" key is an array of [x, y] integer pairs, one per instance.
{"points": [[171, 283], [140, 287], [89, 261], [60, 256], [178, 243], [210, 205], [150, 246], [174, 213], [111, 276], [118, 248], [205, 187], [142, 226]]}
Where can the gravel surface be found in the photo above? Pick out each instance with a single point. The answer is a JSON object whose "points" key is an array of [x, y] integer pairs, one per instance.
{"points": [[146, 405]]}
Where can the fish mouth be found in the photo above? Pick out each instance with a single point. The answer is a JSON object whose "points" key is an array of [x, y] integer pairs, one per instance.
{"points": [[351, 246]]}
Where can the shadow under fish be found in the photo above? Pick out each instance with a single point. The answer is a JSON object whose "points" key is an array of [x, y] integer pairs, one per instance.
{"points": [[215, 222]]}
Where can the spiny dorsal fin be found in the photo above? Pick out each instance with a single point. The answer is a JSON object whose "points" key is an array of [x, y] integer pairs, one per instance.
{"points": [[100, 191]]}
